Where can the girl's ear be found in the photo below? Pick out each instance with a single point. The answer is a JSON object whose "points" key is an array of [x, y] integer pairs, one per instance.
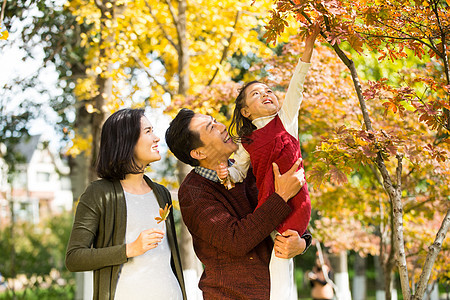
{"points": [[245, 112], [197, 154]]}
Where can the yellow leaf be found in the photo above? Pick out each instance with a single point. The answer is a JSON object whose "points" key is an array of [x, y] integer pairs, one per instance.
{"points": [[4, 35], [164, 213]]}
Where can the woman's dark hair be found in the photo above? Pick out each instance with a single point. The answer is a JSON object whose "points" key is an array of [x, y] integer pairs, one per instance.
{"points": [[181, 140], [241, 127], [120, 133]]}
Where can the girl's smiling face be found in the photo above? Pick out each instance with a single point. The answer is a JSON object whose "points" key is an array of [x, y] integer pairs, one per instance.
{"points": [[260, 102]]}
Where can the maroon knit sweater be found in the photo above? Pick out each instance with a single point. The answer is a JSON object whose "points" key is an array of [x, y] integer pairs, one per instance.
{"points": [[230, 237], [272, 143]]}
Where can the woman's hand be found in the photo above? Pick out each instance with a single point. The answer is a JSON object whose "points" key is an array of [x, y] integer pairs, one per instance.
{"points": [[147, 239]]}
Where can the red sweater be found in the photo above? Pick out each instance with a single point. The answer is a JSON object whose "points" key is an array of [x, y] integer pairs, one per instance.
{"points": [[272, 143], [230, 237]]}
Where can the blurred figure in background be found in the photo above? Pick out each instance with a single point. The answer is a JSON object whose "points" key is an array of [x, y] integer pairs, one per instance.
{"points": [[320, 279]]}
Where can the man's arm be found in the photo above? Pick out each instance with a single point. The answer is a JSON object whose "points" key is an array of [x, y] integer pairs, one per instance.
{"points": [[211, 217]]}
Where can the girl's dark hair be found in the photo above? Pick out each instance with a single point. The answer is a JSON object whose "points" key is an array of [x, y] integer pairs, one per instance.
{"points": [[241, 127], [120, 133]]}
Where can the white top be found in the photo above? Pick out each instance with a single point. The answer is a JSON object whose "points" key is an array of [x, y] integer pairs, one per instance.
{"points": [[288, 115], [147, 276]]}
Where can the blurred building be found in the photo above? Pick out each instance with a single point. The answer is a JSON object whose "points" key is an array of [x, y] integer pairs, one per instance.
{"points": [[39, 188]]}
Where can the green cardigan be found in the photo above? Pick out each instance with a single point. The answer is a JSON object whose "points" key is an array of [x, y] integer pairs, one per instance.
{"points": [[98, 234]]}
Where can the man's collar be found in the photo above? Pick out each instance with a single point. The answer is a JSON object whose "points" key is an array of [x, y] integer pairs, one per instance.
{"points": [[208, 173]]}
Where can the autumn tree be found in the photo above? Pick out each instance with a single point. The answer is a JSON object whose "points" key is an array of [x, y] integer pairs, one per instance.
{"points": [[399, 156]]}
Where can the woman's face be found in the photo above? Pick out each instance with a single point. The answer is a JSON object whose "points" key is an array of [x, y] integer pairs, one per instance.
{"points": [[146, 149]]}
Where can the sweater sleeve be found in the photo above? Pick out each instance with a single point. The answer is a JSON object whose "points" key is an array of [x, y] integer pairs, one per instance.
{"points": [[238, 171], [207, 214], [80, 254]]}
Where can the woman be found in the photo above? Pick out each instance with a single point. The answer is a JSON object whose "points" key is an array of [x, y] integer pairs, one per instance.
{"points": [[115, 233]]}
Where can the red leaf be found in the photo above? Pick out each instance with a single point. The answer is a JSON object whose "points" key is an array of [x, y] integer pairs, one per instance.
{"points": [[337, 175]]}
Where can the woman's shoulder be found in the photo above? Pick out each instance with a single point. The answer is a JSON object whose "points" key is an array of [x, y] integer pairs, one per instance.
{"points": [[101, 184], [100, 187]]}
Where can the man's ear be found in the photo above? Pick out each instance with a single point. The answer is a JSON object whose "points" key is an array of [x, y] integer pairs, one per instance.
{"points": [[198, 154], [245, 112]]}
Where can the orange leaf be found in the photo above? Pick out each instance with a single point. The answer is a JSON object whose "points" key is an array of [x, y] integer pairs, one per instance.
{"points": [[164, 213]]}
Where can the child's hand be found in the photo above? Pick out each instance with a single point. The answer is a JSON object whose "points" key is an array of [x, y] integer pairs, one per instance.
{"points": [[309, 42], [312, 35], [222, 171]]}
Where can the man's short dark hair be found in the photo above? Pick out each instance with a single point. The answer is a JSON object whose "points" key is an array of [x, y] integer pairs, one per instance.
{"points": [[181, 139]]}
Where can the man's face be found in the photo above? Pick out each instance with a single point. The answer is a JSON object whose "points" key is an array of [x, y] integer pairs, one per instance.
{"points": [[217, 144]]}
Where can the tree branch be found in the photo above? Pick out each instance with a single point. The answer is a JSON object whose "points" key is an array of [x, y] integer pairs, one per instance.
{"points": [[172, 13], [226, 47], [398, 38], [444, 57], [434, 250], [161, 27], [99, 4], [3, 11], [398, 229]]}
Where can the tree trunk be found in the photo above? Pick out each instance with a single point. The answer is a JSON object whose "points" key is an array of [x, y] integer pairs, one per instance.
{"points": [[79, 179], [431, 257], [384, 279], [83, 170], [394, 193], [183, 49], [192, 267], [379, 279], [12, 254], [341, 278], [359, 287]]}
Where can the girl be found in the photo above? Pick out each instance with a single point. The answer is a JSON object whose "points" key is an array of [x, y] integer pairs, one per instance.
{"points": [[268, 133], [115, 233]]}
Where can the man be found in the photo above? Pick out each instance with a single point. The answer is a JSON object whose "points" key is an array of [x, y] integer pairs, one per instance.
{"points": [[230, 237]]}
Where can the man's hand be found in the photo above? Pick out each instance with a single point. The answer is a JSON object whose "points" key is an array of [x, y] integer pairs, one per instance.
{"points": [[288, 184], [289, 244]]}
